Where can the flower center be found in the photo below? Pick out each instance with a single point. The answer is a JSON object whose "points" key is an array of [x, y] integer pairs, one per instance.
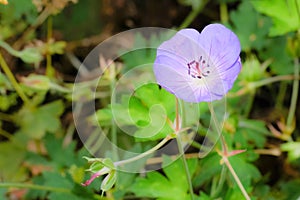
{"points": [[198, 68]]}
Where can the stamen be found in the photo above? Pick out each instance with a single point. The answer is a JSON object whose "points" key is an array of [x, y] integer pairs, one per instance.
{"points": [[196, 68]]}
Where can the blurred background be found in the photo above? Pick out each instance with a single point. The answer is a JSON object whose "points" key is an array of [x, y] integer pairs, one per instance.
{"points": [[42, 44]]}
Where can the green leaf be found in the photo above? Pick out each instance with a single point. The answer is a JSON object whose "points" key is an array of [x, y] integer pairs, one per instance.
{"points": [[77, 173], [3, 193], [251, 27], [36, 121], [293, 149], [56, 47], [61, 156], [282, 63], [6, 101], [251, 133], [284, 14], [209, 167], [247, 172], [148, 115], [30, 55], [144, 50], [174, 186], [291, 189], [11, 166], [17, 10]]}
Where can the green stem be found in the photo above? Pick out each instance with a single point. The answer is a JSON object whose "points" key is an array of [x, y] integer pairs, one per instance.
{"points": [[114, 138], [217, 126], [6, 134], [6, 117], [49, 68], [9, 49], [146, 153], [181, 148], [236, 178], [223, 13], [13, 81], [220, 183], [225, 154], [185, 165], [39, 20], [293, 104], [257, 84], [249, 103], [59, 88], [193, 14], [34, 187], [272, 80], [281, 95]]}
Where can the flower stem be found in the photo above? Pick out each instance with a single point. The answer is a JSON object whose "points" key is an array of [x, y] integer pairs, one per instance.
{"points": [[8, 48], [236, 178], [49, 68], [114, 137], [225, 154], [261, 83], [181, 149], [292, 109], [281, 95], [185, 165], [223, 12], [274, 79], [193, 14], [146, 153], [34, 187], [221, 181], [6, 134], [12, 79]]}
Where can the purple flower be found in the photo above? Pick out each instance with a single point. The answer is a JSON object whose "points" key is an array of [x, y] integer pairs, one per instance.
{"points": [[199, 67]]}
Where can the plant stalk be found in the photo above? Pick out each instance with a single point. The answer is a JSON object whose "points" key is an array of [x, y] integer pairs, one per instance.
{"points": [[13, 81], [295, 91], [225, 154], [34, 187]]}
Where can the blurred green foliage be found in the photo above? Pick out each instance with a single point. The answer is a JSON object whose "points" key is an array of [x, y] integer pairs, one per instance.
{"points": [[42, 158]]}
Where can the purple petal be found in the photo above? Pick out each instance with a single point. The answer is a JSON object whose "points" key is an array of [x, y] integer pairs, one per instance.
{"points": [[230, 75], [199, 67], [171, 75], [221, 44], [183, 45]]}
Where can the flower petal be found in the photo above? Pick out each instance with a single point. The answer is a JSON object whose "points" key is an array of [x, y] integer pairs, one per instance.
{"points": [[221, 44], [172, 76], [184, 45], [230, 75]]}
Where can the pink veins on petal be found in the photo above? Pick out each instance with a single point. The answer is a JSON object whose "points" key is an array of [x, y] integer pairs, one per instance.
{"points": [[199, 67]]}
